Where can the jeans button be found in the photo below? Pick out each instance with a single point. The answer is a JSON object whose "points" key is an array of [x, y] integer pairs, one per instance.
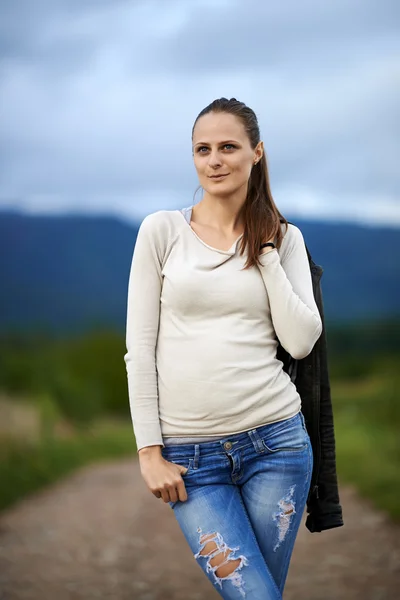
{"points": [[228, 445]]}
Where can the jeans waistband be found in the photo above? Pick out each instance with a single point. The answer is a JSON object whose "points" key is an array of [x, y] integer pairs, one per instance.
{"points": [[230, 442]]}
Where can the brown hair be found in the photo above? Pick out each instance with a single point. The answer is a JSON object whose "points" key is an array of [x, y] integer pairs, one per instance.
{"points": [[262, 219]]}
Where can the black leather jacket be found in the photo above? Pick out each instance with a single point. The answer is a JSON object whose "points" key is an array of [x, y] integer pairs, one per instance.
{"points": [[311, 377]]}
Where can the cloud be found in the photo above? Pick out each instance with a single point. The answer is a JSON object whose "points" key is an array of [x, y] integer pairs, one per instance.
{"points": [[99, 98]]}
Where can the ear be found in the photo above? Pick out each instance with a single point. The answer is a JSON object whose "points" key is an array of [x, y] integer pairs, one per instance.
{"points": [[259, 150]]}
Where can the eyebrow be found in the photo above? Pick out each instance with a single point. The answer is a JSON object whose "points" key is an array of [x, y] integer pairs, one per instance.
{"points": [[207, 144]]}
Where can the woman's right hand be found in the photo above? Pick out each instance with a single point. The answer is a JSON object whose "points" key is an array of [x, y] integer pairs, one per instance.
{"points": [[163, 478]]}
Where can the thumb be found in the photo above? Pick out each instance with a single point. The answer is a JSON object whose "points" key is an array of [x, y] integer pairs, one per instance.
{"points": [[182, 469]]}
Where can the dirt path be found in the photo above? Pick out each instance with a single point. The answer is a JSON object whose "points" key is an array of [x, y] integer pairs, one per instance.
{"points": [[101, 534]]}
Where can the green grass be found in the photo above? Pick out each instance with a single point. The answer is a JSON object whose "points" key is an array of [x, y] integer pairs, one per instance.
{"points": [[28, 466], [367, 425]]}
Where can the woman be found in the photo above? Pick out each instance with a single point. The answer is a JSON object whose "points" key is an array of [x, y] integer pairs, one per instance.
{"points": [[213, 289]]}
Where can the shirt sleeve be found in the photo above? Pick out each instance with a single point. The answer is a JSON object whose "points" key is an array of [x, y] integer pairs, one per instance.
{"points": [[287, 278], [142, 322]]}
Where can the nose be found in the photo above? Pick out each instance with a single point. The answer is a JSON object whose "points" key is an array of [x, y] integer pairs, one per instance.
{"points": [[214, 160]]}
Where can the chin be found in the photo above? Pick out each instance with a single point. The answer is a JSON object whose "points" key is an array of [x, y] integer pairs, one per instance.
{"points": [[221, 187], [223, 191]]}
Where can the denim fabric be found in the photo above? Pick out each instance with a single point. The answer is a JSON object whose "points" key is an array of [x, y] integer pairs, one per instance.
{"points": [[246, 496]]}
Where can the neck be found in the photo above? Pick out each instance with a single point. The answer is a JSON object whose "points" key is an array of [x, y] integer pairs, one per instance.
{"points": [[223, 214]]}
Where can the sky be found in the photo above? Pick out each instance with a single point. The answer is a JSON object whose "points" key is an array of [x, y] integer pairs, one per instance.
{"points": [[98, 99]]}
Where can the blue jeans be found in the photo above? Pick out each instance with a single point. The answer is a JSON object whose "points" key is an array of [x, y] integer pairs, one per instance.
{"points": [[246, 496]]}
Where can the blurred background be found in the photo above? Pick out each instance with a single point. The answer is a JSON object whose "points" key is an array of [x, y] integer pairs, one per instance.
{"points": [[97, 104]]}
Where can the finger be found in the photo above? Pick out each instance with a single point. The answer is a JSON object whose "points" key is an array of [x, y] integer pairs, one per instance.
{"points": [[165, 495], [173, 493], [181, 489], [157, 494]]}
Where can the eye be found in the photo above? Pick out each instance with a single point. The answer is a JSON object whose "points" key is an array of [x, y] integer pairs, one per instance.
{"points": [[201, 148]]}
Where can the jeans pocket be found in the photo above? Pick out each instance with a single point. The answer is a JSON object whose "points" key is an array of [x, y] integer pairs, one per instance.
{"points": [[292, 438], [286, 447], [183, 461]]}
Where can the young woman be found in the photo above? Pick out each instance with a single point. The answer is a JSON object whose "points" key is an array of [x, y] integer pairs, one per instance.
{"points": [[213, 289]]}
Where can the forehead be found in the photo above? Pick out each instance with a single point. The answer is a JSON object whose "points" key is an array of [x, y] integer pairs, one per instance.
{"points": [[214, 127]]}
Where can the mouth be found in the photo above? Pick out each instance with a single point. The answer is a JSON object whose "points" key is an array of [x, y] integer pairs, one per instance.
{"points": [[219, 176]]}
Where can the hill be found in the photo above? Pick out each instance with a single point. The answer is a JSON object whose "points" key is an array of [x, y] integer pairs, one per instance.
{"points": [[69, 272]]}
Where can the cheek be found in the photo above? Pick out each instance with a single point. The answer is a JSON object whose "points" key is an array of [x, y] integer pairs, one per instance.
{"points": [[199, 165], [241, 169], [238, 162]]}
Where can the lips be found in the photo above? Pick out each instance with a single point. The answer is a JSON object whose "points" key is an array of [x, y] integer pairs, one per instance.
{"points": [[218, 176]]}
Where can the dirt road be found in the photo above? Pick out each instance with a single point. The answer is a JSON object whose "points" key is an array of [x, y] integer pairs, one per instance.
{"points": [[101, 534]]}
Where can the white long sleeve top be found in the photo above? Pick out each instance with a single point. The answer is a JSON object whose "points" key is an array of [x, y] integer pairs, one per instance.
{"points": [[202, 334]]}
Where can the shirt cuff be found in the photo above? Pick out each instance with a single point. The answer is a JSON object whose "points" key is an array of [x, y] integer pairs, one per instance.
{"points": [[269, 257]]}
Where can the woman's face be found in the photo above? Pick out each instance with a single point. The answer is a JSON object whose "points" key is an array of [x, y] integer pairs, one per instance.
{"points": [[221, 147]]}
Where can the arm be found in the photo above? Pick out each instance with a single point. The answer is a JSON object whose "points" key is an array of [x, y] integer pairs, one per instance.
{"points": [[143, 313], [287, 279], [163, 478]]}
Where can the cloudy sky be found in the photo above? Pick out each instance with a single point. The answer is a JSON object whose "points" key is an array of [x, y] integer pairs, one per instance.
{"points": [[98, 98]]}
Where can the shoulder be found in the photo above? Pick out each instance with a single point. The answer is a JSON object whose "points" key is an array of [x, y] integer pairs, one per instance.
{"points": [[293, 233], [161, 225], [293, 240], [158, 219]]}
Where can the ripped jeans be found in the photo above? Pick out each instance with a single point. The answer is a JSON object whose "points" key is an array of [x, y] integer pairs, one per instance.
{"points": [[246, 496]]}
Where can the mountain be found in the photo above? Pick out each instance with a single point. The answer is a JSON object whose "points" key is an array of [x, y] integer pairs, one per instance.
{"points": [[67, 273], [63, 273]]}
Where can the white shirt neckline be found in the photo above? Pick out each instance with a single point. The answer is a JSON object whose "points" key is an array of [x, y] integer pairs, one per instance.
{"points": [[231, 250]]}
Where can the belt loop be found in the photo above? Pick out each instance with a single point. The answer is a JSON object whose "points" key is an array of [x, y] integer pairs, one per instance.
{"points": [[257, 441], [196, 456]]}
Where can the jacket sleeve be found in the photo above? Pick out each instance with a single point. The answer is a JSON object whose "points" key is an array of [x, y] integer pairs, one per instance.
{"points": [[287, 279], [142, 322], [323, 504]]}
